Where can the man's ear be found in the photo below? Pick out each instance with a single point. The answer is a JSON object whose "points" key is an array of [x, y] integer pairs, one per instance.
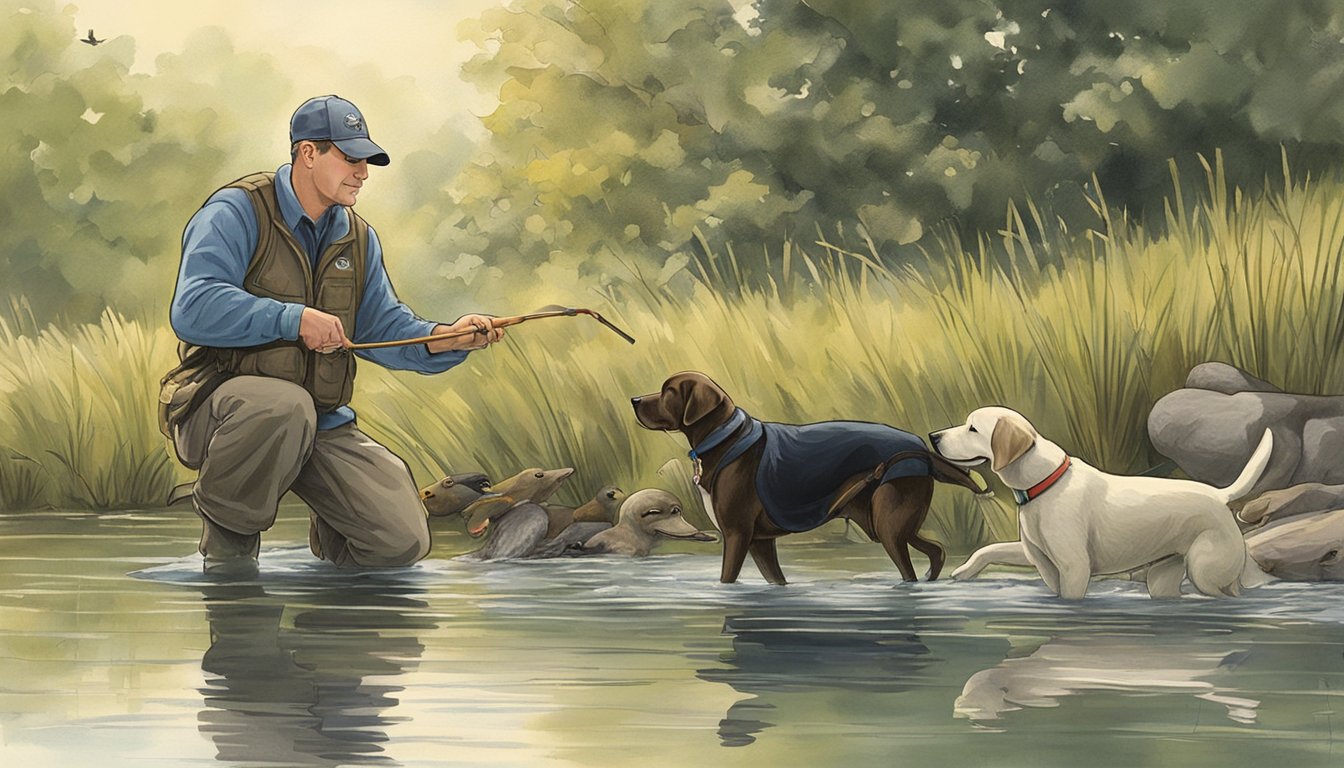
{"points": [[306, 154], [1012, 437]]}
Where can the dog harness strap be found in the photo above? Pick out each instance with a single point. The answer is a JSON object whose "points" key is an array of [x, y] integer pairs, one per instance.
{"points": [[719, 435], [1022, 497]]}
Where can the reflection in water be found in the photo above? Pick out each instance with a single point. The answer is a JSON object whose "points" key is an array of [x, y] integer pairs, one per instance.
{"points": [[1068, 666], [304, 694], [793, 655]]}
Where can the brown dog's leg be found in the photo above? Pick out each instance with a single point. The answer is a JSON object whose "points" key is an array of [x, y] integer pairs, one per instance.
{"points": [[735, 545], [899, 508], [767, 560], [932, 551]]}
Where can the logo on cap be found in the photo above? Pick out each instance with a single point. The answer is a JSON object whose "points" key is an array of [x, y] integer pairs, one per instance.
{"points": [[353, 122]]}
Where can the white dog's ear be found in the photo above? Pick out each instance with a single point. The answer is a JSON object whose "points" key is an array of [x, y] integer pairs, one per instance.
{"points": [[1012, 437]]}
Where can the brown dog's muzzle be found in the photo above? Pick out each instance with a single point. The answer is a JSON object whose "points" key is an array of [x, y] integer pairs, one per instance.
{"points": [[649, 412]]}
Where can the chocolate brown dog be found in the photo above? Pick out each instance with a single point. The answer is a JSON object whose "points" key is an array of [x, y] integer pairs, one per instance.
{"points": [[766, 480]]}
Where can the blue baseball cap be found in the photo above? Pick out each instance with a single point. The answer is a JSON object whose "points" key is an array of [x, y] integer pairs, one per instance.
{"points": [[334, 119]]}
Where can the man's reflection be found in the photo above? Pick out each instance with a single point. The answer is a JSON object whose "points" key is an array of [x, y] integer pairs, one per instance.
{"points": [[800, 655], [295, 692]]}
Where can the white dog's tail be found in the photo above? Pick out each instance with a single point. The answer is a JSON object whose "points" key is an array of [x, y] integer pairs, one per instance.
{"points": [[1251, 474]]}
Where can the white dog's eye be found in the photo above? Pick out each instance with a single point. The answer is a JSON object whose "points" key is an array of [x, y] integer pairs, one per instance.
{"points": [[972, 429]]}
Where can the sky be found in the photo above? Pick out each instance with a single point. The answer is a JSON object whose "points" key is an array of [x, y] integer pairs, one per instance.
{"points": [[401, 37]]}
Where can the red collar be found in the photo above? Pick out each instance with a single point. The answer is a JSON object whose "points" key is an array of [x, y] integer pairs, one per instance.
{"points": [[1031, 493]]}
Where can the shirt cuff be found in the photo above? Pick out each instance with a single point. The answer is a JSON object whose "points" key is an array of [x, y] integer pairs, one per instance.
{"points": [[289, 321]]}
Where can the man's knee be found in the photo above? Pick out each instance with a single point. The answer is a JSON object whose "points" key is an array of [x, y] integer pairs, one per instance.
{"points": [[395, 545], [270, 404]]}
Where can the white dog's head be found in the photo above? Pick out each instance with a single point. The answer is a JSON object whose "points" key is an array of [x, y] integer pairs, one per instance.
{"points": [[999, 435]]}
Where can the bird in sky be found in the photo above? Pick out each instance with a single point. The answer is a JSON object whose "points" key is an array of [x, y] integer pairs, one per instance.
{"points": [[91, 40]]}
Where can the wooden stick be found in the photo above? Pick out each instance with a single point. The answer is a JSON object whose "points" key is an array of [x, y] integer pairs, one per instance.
{"points": [[499, 322]]}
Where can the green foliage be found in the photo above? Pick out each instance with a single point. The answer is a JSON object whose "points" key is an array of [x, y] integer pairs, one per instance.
{"points": [[77, 415], [627, 126], [1081, 331], [103, 165]]}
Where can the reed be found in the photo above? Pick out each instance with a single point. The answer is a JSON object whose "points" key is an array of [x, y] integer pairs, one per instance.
{"points": [[1082, 326], [78, 415]]}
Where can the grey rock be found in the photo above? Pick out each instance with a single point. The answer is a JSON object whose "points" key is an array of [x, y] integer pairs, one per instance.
{"points": [[1210, 433], [1302, 548], [1221, 377], [1303, 499]]}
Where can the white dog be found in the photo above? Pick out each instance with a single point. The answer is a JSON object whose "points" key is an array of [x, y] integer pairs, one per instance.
{"points": [[1076, 521]]}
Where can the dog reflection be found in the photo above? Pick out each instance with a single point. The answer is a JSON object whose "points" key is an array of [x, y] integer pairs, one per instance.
{"points": [[1066, 667], [815, 654], [300, 694]]}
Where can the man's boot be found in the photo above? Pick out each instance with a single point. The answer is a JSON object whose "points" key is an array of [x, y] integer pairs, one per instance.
{"points": [[227, 551]]}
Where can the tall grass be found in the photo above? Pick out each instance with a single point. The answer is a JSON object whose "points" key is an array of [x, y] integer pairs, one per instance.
{"points": [[1082, 326], [77, 412]]}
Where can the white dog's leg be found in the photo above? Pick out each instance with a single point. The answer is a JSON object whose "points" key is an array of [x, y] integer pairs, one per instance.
{"points": [[1165, 577], [1073, 581], [1044, 565], [1003, 553], [1214, 566]]}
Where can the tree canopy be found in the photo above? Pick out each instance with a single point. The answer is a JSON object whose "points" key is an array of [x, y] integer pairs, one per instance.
{"points": [[626, 125], [629, 131]]}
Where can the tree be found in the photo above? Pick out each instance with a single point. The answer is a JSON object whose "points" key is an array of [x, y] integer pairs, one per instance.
{"points": [[627, 126]]}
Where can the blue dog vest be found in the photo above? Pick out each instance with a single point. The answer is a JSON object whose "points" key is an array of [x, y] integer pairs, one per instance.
{"points": [[803, 466]]}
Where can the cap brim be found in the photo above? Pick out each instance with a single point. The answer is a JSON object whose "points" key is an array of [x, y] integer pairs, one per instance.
{"points": [[363, 149]]}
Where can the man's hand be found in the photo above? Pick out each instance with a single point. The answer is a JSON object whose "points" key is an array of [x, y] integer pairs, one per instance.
{"points": [[321, 332], [485, 333]]}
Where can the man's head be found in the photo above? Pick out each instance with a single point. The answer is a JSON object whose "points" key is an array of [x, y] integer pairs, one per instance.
{"points": [[333, 119], [331, 150]]}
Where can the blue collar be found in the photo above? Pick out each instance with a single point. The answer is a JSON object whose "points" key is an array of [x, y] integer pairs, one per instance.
{"points": [[738, 418], [753, 435]]}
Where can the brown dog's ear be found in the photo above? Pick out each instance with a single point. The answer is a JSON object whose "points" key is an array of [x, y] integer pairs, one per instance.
{"points": [[1012, 437], [700, 397]]}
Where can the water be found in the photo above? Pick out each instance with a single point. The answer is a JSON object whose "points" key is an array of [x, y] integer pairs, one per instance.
{"points": [[116, 650]]}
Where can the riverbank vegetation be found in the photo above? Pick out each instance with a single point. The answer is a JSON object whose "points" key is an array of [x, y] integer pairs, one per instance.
{"points": [[1081, 325]]}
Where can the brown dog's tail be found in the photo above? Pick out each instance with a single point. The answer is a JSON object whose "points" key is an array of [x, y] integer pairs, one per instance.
{"points": [[945, 471], [940, 469]]}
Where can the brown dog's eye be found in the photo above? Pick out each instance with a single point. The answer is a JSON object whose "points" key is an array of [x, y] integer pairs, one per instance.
{"points": [[447, 482], [652, 512], [539, 475], [676, 510], [611, 494]]}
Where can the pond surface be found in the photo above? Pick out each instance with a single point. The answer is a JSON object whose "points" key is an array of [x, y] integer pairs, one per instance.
{"points": [[116, 650]]}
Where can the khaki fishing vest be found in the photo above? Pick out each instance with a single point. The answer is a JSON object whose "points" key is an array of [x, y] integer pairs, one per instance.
{"points": [[280, 270]]}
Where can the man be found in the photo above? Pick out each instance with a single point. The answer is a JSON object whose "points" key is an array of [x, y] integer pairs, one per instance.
{"points": [[278, 276]]}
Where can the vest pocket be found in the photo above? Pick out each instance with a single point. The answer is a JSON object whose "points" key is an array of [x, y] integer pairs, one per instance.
{"points": [[281, 362], [336, 296], [334, 379]]}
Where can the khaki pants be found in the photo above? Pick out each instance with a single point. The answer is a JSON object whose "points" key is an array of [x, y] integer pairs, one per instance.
{"points": [[256, 437]]}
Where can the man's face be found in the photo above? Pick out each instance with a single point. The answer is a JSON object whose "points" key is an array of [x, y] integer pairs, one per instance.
{"points": [[338, 178]]}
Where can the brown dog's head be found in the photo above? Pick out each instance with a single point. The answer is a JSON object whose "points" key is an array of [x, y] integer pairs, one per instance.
{"points": [[688, 402]]}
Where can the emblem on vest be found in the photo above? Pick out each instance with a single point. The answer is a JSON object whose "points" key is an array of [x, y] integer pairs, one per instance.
{"points": [[341, 262], [352, 121]]}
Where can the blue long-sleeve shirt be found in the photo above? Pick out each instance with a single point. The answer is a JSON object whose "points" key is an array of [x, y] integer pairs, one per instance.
{"points": [[211, 308]]}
